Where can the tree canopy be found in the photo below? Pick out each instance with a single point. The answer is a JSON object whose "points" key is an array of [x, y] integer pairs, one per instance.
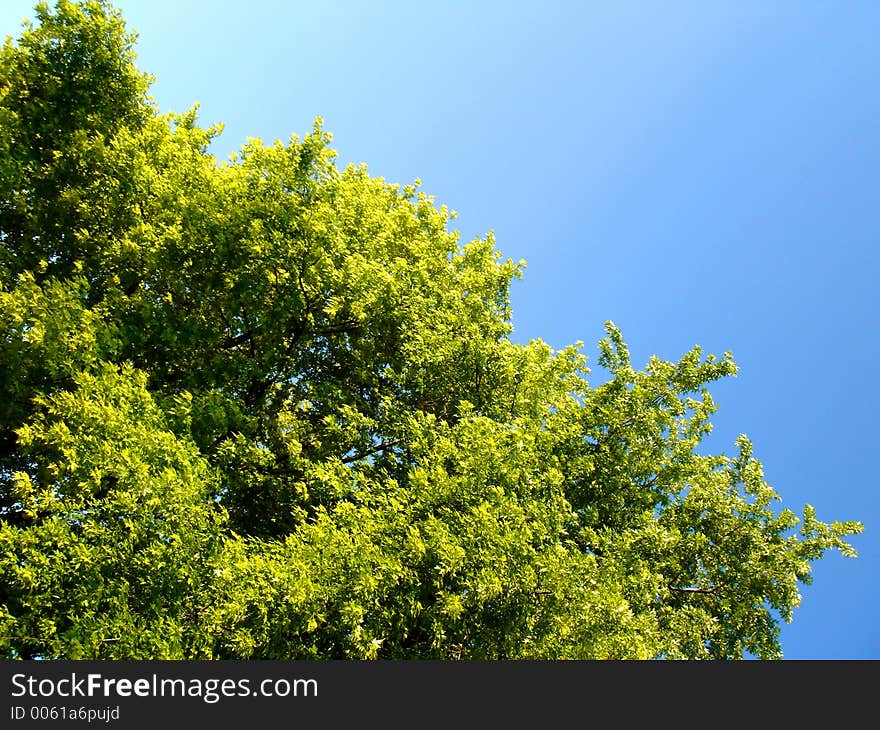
{"points": [[270, 408]]}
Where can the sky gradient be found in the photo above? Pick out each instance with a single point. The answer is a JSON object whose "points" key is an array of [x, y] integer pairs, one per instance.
{"points": [[697, 172]]}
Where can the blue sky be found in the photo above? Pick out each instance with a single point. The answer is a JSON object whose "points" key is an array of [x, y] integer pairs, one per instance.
{"points": [[698, 172]]}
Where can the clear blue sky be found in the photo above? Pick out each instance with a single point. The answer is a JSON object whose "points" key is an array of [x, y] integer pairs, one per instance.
{"points": [[698, 172]]}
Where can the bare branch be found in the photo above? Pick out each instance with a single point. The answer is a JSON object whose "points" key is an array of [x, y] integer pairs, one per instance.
{"points": [[380, 447]]}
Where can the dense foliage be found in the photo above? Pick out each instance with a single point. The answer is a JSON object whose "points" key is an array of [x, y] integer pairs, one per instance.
{"points": [[268, 408]]}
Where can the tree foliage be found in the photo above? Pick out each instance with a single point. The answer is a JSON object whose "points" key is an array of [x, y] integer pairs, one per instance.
{"points": [[269, 408]]}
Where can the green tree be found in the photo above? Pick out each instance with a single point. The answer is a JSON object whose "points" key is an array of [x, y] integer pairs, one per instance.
{"points": [[269, 408]]}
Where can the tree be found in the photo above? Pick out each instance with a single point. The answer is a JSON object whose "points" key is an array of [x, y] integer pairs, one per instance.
{"points": [[270, 408]]}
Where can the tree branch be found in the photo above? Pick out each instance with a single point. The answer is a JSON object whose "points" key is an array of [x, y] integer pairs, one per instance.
{"points": [[380, 447], [712, 590]]}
